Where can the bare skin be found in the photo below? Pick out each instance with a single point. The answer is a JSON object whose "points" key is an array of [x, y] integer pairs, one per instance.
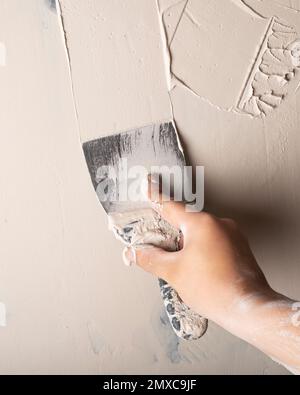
{"points": [[216, 274]]}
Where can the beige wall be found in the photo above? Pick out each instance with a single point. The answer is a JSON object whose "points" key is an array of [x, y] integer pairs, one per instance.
{"points": [[71, 305]]}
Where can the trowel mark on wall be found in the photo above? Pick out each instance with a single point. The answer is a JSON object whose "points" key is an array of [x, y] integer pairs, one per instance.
{"points": [[276, 67], [51, 4], [292, 5], [172, 341], [95, 338], [212, 49], [166, 336], [172, 17], [248, 8]]}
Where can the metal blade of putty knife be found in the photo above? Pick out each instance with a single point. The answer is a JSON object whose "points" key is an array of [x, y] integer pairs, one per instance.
{"points": [[114, 163]]}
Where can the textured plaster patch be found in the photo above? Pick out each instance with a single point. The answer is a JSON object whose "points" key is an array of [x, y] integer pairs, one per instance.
{"points": [[276, 68], [214, 48], [212, 56]]}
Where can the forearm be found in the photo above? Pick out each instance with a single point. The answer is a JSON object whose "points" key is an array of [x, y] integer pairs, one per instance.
{"points": [[269, 322]]}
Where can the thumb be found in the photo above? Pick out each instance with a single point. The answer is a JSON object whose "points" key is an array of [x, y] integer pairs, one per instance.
{"points": [[153, 260]]}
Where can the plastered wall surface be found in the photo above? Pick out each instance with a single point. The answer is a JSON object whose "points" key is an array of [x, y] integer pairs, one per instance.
{"points": [[92, 68]]}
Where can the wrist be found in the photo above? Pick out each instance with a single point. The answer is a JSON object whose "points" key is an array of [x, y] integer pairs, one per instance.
{"points": [[244, 310]]}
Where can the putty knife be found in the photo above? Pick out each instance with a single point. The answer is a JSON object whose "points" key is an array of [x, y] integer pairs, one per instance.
{"points": [[118, 166]]}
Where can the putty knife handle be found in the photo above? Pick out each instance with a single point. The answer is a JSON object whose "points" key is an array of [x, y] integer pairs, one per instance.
{"points": [[187, 324]]}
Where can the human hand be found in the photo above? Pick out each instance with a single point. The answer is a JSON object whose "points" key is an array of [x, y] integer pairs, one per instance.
{"points": [[214, 272]]}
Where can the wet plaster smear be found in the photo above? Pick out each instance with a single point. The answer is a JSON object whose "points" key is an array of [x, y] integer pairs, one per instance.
{"points": [[228, 73]]}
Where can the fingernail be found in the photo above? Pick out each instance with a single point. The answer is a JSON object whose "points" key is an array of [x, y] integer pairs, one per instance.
{"points": [[129, 256]]}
